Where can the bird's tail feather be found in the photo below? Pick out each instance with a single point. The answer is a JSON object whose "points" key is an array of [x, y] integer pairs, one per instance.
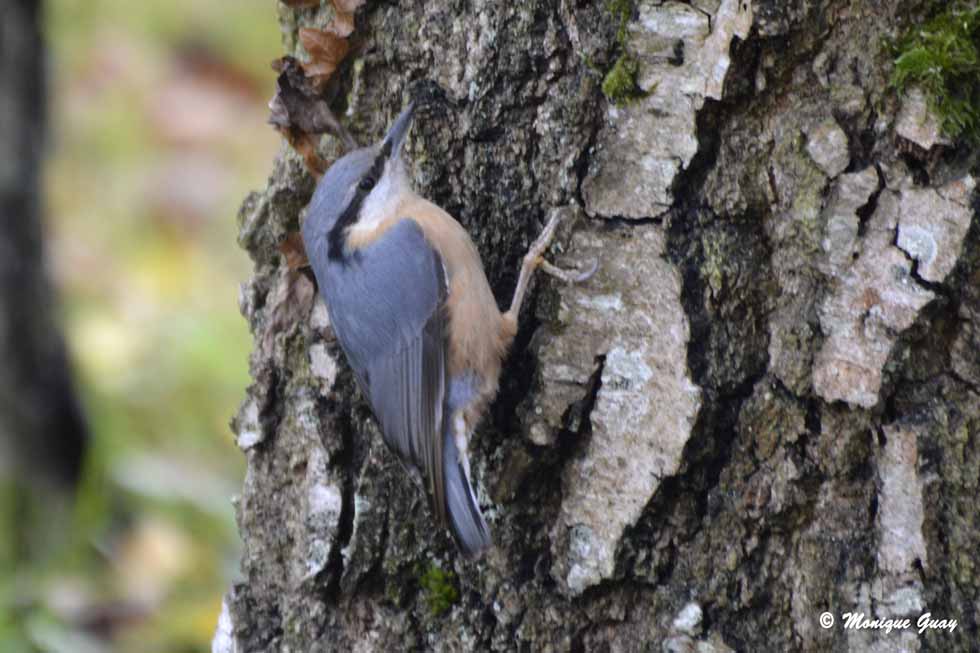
{"points": [[466, 522]]}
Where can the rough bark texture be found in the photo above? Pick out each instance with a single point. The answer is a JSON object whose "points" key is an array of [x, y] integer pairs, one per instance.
{"points": [[41, 428], [765, 406]]}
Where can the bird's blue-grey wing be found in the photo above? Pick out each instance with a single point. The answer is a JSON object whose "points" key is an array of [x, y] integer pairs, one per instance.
{"points": [[387, 306]]}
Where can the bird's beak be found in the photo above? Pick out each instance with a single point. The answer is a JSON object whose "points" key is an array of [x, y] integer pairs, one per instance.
{"points": [[396, 135]]}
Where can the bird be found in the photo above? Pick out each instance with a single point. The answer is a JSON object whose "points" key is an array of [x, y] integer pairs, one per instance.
{"points": [[413, 312]]}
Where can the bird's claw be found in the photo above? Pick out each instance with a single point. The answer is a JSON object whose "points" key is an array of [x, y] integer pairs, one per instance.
{"points": [[543, 241], [534, 259]]}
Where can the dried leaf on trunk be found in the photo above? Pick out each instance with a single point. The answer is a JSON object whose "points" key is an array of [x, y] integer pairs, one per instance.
{"points": [[294, 251], [343, 22], [305, 145], [342, 25], [327, 50], [300, 113], [298, 103], [347, 6], [299, 110]]}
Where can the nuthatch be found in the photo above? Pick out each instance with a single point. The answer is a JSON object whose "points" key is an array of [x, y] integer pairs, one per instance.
{"points": [[412, 309]]}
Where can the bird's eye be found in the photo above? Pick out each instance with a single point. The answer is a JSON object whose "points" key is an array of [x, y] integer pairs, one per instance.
{"points": [[367, 183]]}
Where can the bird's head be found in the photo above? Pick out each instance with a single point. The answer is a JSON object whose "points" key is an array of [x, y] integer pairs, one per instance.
{"points": [[360, 188]]}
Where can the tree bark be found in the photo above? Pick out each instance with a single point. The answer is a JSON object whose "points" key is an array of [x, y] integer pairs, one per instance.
{"points": [[765, 406], [42, 431]]}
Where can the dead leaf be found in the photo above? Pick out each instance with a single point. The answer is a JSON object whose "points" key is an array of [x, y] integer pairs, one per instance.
{"points": [[293, 249], [343, 22], [327, 50], [300, 113], [298, 109], [298, 103], [305, 146], [347, 6]]}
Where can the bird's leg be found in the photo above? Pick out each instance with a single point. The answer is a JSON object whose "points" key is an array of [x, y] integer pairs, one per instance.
{"points": [[535, 259]]}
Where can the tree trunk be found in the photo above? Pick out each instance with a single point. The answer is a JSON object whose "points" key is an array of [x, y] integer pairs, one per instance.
{"points": [[765, 405], [42, 431]]}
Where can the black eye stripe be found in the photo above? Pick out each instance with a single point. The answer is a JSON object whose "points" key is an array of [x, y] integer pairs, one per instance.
{"points": [[349, 216], [369, 180]]}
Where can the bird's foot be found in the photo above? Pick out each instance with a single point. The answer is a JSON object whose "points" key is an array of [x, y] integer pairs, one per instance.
{"points": [[538, 247], [534, 259], [535, 256]]}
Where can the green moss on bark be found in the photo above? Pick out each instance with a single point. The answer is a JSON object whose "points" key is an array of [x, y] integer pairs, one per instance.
{"points": [[440, 589], [620, 82], [619, 85], [943, 58]]}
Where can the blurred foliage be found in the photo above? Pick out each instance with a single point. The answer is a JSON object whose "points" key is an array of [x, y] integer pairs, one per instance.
{"points": [[157, 114], [941, 57]]}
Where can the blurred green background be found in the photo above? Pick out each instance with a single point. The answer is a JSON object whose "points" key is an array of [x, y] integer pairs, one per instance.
{"points": [[157, 131]]}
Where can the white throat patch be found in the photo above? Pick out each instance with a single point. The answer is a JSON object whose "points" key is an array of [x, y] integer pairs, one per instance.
{"points": [[384, 198]]}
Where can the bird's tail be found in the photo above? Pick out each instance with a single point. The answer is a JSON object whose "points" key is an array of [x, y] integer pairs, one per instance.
{"points": [[466, 522]]}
